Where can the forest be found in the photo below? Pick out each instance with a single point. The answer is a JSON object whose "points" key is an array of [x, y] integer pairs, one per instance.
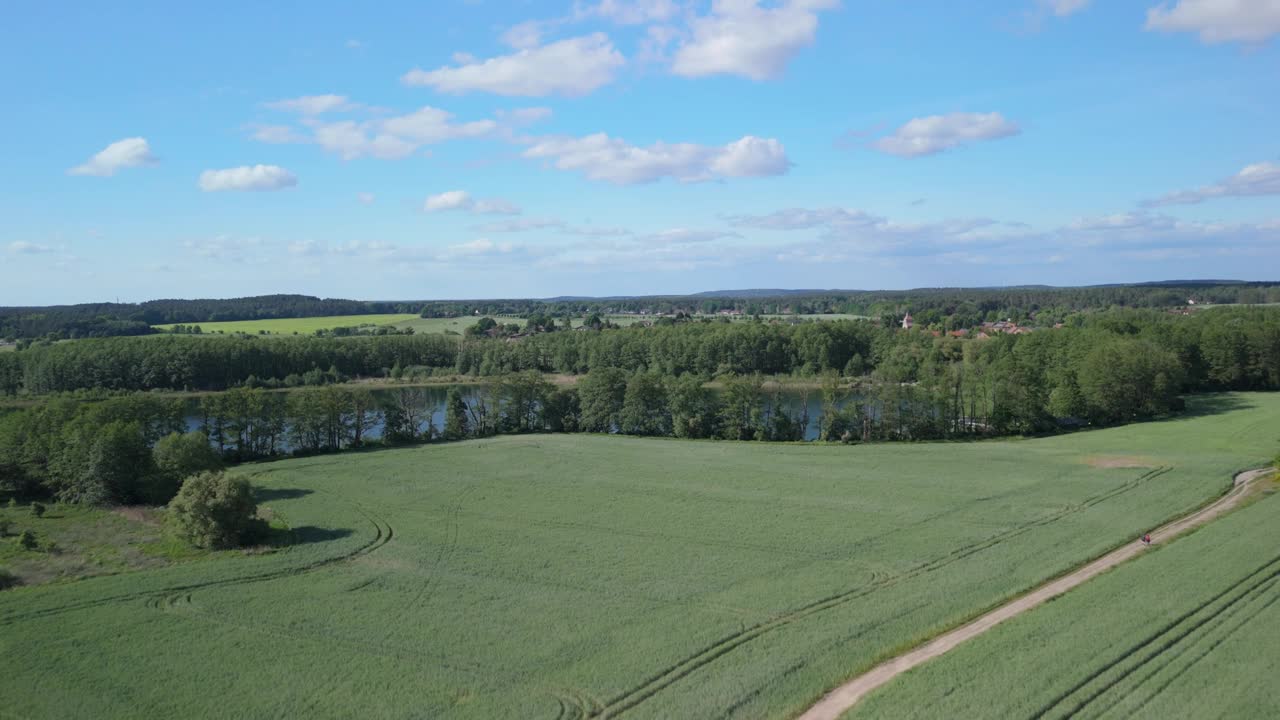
{"points": [[950, 308], [689, 380]]}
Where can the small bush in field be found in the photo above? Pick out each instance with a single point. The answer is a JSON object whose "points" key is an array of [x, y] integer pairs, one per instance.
{"points": [[215, 510], [27, 540], [37, 510]]}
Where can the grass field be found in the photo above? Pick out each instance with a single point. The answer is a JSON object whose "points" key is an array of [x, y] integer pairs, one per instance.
{"points": [[301, 326], [1190, 630], [86, 541], [556, 576]]}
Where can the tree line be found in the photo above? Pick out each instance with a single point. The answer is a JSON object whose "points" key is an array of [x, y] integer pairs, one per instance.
{"points": [[952, 307], [1219, 349]]}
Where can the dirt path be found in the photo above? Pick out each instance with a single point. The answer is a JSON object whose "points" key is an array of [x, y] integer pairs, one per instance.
{"points": [[838, 701]]}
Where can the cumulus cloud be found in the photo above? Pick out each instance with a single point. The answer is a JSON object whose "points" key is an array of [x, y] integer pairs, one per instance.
{"points": [[937, 133], [1258, 179], [571, 67], [247, 177], [1218, 21], [121, 154], [739, 37], [395, 136], [600, 157], [22, 247], [462, 200], [351, 140], [314, 104], [365, 198]]}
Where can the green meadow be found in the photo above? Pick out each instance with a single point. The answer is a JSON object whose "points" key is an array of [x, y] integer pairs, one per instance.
{"points": [[299, 326], [570, 576]]}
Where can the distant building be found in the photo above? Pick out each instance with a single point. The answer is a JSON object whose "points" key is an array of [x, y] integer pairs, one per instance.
{"points": [[907, 322]]}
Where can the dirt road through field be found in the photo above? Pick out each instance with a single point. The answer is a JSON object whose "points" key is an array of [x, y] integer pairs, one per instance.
{"points": [[838, 701]]}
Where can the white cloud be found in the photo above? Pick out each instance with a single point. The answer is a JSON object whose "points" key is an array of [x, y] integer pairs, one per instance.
{"points": [[462, 200], [1218, 21], [523, 36], [629, 12], [600, 157], [521, 225], [751, 157], [473, 249], [741, 38], [226, 247], [1063, 8], [354, 44], [685, 236], [1253, 180], [571, 67], [277, 134], [936, 133], [429, 125], [350, 140], [314, 104], [247, 177], [399, 136], [306, 247], [22, 247], [365, 198], [1129, 231], [391, 137], [524, 116], [530, 224], [868, 233], [121, 154]]}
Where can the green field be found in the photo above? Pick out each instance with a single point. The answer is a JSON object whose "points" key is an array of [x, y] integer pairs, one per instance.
{"points": [[308, 326], [1191, 630], [556, 576], [300, 326]]}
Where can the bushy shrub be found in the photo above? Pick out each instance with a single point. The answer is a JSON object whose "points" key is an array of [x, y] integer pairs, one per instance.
{"points": [[37, 510], [8, 579], [27, 540], [4, 527], [215, 510], [178, 456]]}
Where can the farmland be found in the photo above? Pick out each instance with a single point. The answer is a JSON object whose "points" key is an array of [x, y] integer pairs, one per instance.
{"points": [[553, 576], [299, 326], [1190, 630]]}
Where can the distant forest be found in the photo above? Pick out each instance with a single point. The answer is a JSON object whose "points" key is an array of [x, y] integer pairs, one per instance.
{"points": [[87, 429], [948, 308]]}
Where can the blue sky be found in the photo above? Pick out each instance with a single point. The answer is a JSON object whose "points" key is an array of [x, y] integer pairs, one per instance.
{"points": [[474, 148]]}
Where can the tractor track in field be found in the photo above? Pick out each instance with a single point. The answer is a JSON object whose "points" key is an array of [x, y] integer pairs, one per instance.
{"points": [[450, 545], [383, 532], [1168, 644], [844, 697], [638, 694]]}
